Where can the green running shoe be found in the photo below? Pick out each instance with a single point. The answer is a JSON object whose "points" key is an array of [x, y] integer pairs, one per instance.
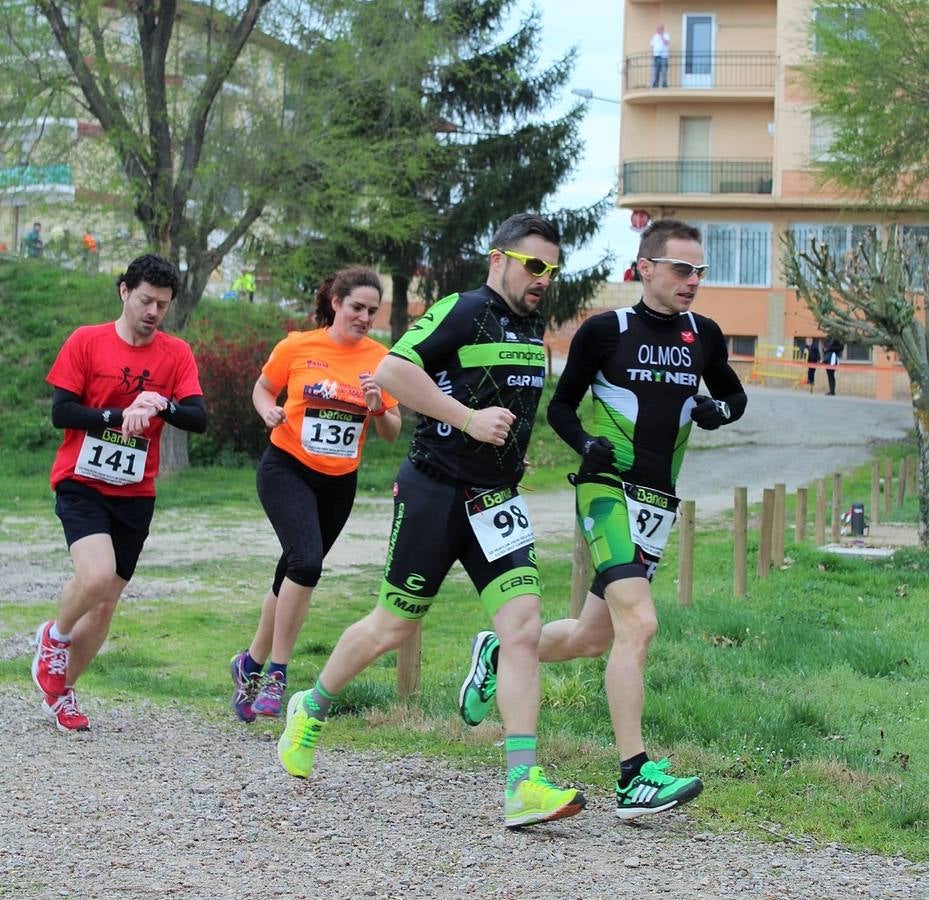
{"points": [[481, 684], [654, 791], [296, 744], [536, 799]]}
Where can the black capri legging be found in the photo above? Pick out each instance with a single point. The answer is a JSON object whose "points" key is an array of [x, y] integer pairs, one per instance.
{"points": [[307, 510]]}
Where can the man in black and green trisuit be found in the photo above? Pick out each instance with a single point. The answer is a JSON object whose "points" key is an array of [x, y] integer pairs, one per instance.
{"points": [[643, 365], [474, 367]]}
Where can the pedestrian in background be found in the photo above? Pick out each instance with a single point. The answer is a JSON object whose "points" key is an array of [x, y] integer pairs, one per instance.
{"points": [[244, 286], [832, 351], [33, 242], [813, 356], [90, 250]]}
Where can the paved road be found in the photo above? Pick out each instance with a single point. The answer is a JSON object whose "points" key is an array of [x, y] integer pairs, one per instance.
{"points": [[786, 436]]}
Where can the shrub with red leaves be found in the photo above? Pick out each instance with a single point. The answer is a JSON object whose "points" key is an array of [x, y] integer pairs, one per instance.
{"points": [[229, 357]]}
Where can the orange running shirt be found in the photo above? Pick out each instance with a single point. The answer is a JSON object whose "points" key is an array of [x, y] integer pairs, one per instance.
{"points": [[327, 420]]}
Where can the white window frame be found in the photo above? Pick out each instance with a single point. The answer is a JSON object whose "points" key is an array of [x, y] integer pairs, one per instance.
{"points": [[711, 281], [706, 80], [818, 228], [848, 18], [822, 136]]}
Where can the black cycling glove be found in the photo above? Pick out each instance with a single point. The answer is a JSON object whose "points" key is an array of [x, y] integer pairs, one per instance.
{"points": [[597, 455], [710, 413]]}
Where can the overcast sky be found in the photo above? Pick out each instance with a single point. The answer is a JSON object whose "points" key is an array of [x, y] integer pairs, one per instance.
{"points": [[595, 28]]}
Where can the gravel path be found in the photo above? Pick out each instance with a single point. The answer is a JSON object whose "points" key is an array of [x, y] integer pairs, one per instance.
{"points": [[159, 804], [167, 806]]}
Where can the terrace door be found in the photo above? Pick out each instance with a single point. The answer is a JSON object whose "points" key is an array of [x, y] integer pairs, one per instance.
{"points": [[699, 39], [694, 158]]}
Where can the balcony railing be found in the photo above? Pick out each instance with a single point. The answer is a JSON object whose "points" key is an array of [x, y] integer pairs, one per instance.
{"points": [[731, 71], [697, 176], [24, 178]]}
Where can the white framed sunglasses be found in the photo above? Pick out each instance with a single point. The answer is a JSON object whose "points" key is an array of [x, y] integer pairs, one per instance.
{"points": [[682, 268]]}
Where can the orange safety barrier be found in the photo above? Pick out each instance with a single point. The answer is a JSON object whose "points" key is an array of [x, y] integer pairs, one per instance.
{"points": [[778, 363], [787, 366]]}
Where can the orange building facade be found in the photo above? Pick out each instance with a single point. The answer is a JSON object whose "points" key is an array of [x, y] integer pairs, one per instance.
{"points": [[723, 136]]}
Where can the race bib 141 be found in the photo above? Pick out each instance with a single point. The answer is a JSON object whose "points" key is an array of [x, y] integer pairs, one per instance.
{"points": [[107, 456]]}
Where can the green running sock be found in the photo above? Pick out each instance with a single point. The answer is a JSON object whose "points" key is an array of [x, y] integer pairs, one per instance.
{"points": [[520, 757], [317, 701]]}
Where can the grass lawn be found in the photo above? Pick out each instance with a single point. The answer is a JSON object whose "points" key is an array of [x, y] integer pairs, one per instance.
{"points": [[803, 705]]}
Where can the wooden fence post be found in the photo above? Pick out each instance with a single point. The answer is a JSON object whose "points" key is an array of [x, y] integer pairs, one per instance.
{"points": [[820, 512], [409, 663], [836, 507], [740, 543], [777, 533], [580, 572], [888, 485], [767, 522], [912, 473], [800, 527], [875, 516], [901, 481], [685, 567]]}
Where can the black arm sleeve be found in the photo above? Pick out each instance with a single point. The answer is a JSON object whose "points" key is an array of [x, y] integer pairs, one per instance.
{"points": [[578, 375], [69, 412], [188, 414], [719, 376]]}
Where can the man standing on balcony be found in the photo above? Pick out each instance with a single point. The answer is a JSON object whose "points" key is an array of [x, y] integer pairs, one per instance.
{"points": [[661, 40]]}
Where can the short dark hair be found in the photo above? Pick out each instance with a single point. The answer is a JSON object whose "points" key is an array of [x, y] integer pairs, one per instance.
{"points": [[36, 223], [520, 226], [655, 238], [340, 285], [154, 269]]}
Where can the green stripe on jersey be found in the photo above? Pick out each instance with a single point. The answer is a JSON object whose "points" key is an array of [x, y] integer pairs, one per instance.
{"points": [[422, 328], [486, 356]]}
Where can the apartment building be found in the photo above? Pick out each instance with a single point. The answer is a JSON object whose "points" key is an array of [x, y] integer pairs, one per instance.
{"points": [[62, 172], [731, 144]]}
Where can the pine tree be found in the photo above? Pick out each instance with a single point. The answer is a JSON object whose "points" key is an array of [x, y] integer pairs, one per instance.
{"points": [[469, 143]]}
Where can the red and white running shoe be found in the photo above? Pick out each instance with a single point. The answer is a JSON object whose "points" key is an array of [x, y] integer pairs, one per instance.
{"points": [[66, 713], [50, 663]]}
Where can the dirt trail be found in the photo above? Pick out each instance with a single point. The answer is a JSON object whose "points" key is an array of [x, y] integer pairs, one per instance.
{"points": [[156, 804]]}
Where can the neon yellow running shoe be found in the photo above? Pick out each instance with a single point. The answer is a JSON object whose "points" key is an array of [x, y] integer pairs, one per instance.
{"points": [[536, 799], [296, 744]]}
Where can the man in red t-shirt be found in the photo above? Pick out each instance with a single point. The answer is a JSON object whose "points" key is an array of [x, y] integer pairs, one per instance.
{"points": [[115, 385]]}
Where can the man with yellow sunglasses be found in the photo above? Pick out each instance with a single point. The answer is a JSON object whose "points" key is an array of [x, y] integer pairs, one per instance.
{"points": [[474, 368], [644, 365]]}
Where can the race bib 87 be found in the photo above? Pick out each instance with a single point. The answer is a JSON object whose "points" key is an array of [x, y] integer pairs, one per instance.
{"points": [[651, 515]]}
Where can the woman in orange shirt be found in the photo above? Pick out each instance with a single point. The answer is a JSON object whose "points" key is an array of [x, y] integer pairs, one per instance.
{"points": [[307, 476]]}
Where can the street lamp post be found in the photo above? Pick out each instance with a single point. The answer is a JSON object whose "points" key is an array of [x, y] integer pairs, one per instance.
{"points": [[588, 94]]}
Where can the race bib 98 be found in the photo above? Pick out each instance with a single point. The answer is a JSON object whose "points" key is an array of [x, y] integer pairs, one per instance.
{"points": [[499, 519]]}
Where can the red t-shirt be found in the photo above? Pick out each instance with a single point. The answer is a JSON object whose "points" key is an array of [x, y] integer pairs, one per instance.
{"points": [[327, 419], [104, 371]]}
